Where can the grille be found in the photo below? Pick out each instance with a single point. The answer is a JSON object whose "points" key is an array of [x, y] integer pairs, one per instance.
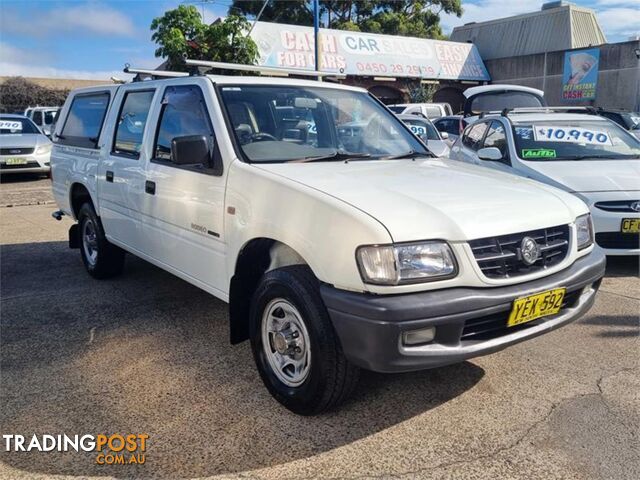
{"points": [[500, 257], [495, 325], [16, 151], [4, 166], [618, 240], [617, 206]]}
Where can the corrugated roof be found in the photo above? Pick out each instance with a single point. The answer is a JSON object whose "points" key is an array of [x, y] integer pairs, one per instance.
{"points": [[561, 28]]}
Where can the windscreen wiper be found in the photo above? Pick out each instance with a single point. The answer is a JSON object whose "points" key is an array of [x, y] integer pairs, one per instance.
{"points": [[409, 154], [337, 155]]}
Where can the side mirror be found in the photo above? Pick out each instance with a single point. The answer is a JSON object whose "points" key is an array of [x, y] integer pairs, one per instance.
{"points": [[191, 150], [444, 135], [490, 153]]}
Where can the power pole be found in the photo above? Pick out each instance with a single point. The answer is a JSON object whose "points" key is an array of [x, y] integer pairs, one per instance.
{"points": [[316, 35]]}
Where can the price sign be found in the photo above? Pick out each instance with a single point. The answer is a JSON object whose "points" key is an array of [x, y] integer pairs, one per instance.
{"points": [[10, 125], [550, 133], [418, 130]]}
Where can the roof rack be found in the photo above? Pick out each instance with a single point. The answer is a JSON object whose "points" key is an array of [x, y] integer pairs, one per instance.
{"points": [[153, 73], [261, 69]]}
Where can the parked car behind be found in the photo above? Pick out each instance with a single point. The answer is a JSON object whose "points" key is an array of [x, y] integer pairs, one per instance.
{"points": [[332, 258], [23, 147], [626, 119], [452, 125], [491, 98], [43, 117], [584, 154], [427, 110], [423, 128]]}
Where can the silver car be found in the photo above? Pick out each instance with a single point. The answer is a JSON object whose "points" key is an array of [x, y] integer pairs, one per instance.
{"points": [[23, 146], [424, 129]]}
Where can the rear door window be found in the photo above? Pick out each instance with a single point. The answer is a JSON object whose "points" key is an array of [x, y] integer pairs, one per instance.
{"points": [[131, 123], [84, 122]]}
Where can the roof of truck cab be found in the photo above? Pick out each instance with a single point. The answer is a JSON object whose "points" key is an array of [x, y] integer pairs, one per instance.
{"points": [[224, 80]]}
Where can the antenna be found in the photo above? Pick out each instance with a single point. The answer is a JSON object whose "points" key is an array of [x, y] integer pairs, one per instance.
{"points": [[261, 69]]}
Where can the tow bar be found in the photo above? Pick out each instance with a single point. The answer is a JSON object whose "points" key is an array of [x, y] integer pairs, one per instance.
{"points": [[58, 214]]}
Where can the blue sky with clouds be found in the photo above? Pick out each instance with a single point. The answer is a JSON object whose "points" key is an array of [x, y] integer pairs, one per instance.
{"points": [[93, 39]]}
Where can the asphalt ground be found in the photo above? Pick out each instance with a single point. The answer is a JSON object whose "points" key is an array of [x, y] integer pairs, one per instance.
{"points": [[149, 353]]}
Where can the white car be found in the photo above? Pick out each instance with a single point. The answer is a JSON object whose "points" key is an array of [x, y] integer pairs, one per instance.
{"points": [[43, 117], [23, 147], [427, 110], [424, 129], [584, 154], [332, 258]]}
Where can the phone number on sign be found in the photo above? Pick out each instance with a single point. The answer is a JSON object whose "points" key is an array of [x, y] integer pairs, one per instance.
{"points": [[394, 69]]}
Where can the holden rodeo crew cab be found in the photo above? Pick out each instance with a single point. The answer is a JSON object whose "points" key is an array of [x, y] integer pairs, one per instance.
{"points": [[332, 258]]}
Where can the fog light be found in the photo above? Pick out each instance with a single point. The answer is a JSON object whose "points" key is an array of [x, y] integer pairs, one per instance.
{"points": [[417, 337]]}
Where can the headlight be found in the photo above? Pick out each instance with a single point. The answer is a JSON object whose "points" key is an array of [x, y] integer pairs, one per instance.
{"points": [[584, 231], [43, 149], [406, 263]]}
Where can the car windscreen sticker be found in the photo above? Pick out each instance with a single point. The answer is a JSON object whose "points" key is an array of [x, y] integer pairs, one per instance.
{"points": [[537, 153], [550, 133], [418, 130], [10, 125], [524, 133]]}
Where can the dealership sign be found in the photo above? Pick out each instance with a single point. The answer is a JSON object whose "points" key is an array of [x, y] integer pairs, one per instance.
{"points": [[354, 53], [580, 76]]}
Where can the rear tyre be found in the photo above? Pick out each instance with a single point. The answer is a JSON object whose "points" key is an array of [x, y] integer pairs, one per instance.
{"points": [[101, 258], [295, 347]]}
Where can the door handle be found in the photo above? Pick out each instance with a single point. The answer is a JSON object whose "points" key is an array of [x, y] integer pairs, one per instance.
{"points": [[109, 176], [150, 187]]}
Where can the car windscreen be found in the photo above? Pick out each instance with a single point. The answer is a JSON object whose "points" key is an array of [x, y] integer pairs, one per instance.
{"points": [[299, 123], [497, 101], [552, 140], [396, 109], [421, 127], [17, 125]]}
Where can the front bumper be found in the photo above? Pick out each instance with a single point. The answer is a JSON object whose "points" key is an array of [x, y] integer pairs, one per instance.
{"points": [[370, 326]]}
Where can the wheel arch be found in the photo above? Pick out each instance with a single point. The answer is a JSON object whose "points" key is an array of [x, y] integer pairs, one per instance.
{"points": [[256, 257], [78, 195]]}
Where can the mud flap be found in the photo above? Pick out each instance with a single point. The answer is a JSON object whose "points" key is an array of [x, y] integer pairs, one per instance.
{"points": [[74, 236]]}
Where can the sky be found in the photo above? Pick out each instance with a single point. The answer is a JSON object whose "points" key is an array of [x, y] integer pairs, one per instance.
{"points": [[93, 39]]}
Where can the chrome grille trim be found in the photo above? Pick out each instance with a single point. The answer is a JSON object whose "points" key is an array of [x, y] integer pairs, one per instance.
{"points": [[500, 257]]}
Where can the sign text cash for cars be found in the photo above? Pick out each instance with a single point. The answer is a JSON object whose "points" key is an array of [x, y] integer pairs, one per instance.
{"points": [[580, 75], [113, 449], [367, 54]]}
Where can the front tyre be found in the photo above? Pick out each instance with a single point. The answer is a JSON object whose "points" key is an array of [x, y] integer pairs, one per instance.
{"points": [[295, 347], [101, 258]]}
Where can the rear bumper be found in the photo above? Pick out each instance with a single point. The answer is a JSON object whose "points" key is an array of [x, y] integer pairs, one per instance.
{"points": [[370, 326]]}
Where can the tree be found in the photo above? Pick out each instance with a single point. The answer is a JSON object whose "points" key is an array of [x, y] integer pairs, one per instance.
{"points": [[415, 18], [18, 93], [180, 32]]}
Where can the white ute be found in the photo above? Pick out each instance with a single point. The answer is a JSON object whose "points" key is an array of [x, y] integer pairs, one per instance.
{"points": [[335, 252]]}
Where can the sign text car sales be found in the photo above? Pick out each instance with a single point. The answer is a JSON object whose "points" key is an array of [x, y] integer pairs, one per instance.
{"points": [[355, 53]]}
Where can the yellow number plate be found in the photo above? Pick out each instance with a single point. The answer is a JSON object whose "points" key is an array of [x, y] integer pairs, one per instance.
{"points": [[630, 225], [535, 306], [16, 161]]}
